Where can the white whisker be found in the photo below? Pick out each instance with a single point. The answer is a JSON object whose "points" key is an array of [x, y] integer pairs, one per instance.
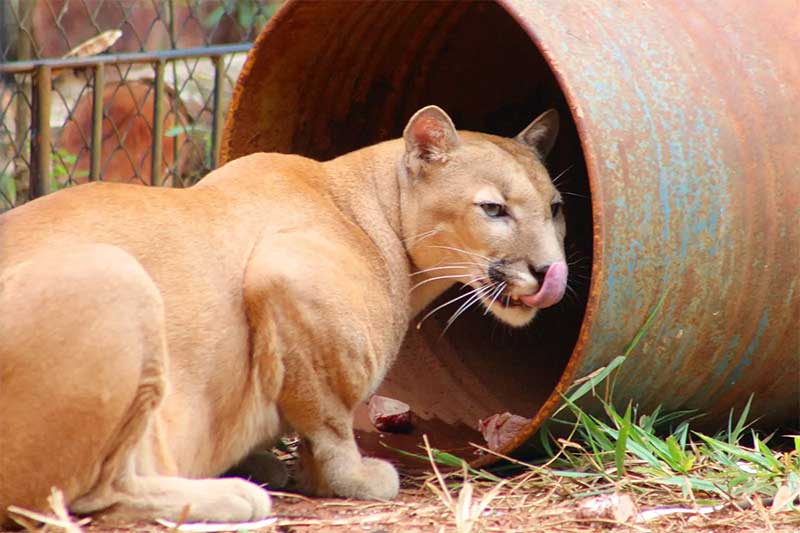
{"points": [[560, 174], [476, 297], [444, 267], [468, 263], [497, 293], [413, 241], [421, 235], [460, 250], [573, 293], [436, 278], [448, 302], [569, 193], [578, 261]]}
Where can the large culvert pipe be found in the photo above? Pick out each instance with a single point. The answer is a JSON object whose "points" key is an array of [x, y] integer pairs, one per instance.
{"points": [[682, 140]]}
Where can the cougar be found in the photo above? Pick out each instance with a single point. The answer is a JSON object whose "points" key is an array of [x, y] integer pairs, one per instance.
{"points": [[154, 337]]}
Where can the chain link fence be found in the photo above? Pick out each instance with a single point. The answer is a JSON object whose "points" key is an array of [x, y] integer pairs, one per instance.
{"points": [[130, 91]]}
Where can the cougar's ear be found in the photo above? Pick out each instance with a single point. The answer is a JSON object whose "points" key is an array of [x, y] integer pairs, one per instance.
{"points": [[430, 136], [541, 133]]}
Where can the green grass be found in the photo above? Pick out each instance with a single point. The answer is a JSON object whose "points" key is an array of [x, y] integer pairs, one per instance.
{"points": [[627, 451], [656, 457], [660, 448], [8, 191]]}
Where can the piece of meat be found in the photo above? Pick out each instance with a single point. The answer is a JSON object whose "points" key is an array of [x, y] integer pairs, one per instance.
{"points": [[500, 429], [390, 415]]}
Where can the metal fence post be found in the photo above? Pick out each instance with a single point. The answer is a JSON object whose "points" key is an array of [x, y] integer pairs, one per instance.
{"points": [[25, 50], [64, 97], [97, 122], [216, 124], [40, 133], [158, 126]]}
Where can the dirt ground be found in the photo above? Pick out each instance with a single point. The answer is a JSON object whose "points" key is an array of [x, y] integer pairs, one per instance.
{"points": [[421, 507]]}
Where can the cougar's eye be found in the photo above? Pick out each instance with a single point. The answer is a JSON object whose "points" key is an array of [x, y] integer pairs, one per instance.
{"points": [[555, 209], [494, 210]]}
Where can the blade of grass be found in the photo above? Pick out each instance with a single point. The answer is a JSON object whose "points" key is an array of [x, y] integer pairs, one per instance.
{"points": [[609, 393], [589, 382], [622, 442], [735, 451], [445, 459], [735, 433], [767, 454]]}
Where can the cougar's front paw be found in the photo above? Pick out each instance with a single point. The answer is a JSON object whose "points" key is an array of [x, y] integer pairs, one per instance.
{"points": [[360, 478], [381, 480]]}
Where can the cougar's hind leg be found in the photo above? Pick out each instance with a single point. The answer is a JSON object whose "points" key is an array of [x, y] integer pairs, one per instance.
{"points": [[129, 486], [81, 367], [83, 371]]}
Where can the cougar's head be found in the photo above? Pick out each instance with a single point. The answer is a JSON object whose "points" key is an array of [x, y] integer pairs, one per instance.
{"points": [[482, 210]]}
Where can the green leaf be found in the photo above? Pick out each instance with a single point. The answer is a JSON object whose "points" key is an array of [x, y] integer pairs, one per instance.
{"points": [[735, 434], [544, 439], [571, 474], [214, 17], [643, 450], [736, 452], [681, 434], [8, 189], [246, 13], [676, 454], [591, 428], [596, 378], [622, 441], [445, 459], [180, 129], [767, 454], [646, 324], [695, 483]]}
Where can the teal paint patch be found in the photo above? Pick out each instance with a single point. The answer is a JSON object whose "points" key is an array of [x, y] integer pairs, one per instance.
{"points": [[721, 368], [790, 292], [747, 357]]}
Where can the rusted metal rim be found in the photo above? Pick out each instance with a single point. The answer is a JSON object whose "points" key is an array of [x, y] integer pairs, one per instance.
{"points": [[686, 148], [574, 363], [392, 111]]}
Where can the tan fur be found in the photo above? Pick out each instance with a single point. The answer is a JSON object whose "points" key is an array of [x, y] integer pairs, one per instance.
{"points": [[151, 337]]}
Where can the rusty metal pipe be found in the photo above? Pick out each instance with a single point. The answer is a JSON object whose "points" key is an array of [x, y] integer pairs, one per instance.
{"points": [[681, 140]]}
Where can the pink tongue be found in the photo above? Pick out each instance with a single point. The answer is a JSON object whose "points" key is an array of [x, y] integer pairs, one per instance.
{"points": [[552, 290]]}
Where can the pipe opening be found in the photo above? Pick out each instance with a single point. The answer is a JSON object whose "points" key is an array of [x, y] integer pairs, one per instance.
{"points": [[326, 78]]}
